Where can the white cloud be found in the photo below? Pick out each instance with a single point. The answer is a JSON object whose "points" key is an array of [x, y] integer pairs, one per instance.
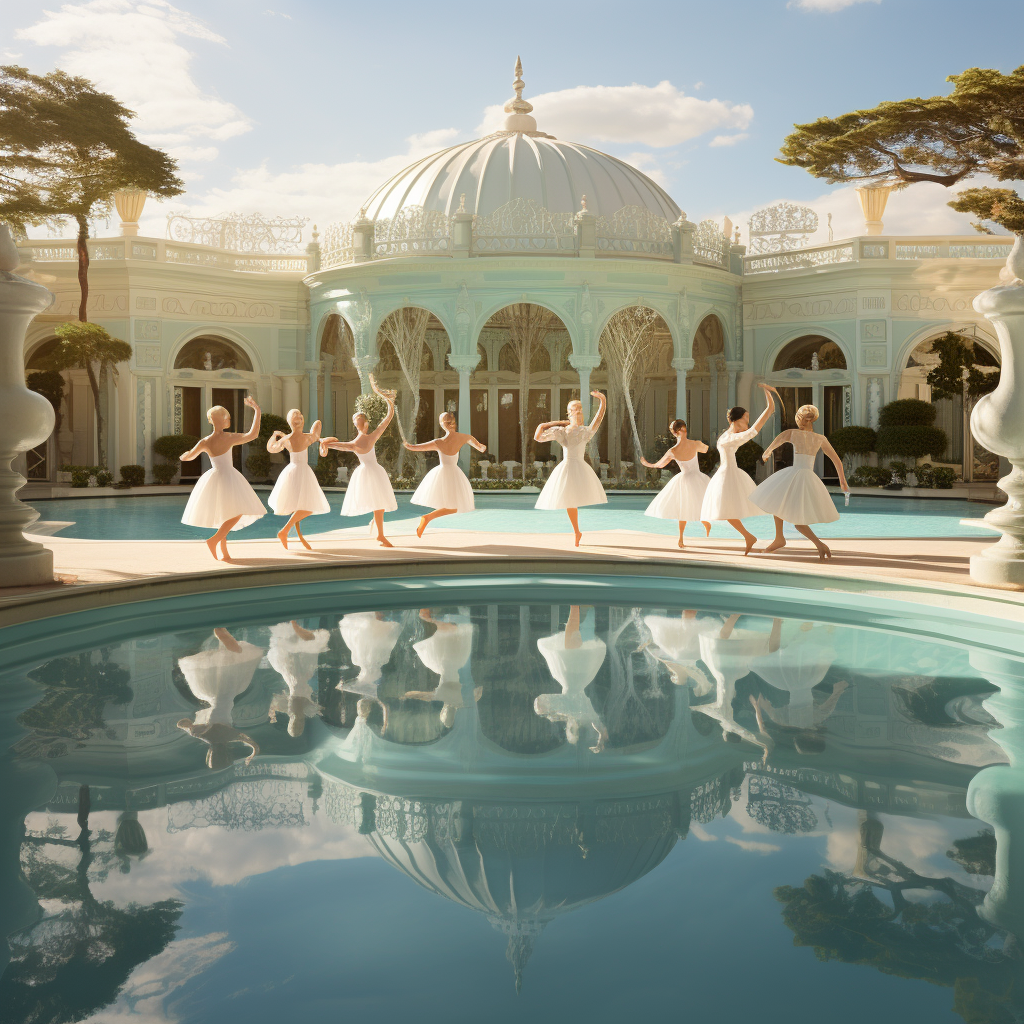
{"points": [[131, 49], [826, 6], [728, 140], [659, 115]]}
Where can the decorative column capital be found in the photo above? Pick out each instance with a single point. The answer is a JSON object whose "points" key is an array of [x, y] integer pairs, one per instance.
{"points": [[683, 364], [734, 365], [583, 363], [464, 363]]}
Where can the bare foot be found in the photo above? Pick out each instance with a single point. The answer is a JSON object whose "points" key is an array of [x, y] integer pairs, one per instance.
{"points": [[421, 527], [750, 545], [211, 543], [385, 543], [305, 543], [282, 536], [579, 537], [774, 546], [224, 550], [823, 553], [680, 541], [707, 528]]}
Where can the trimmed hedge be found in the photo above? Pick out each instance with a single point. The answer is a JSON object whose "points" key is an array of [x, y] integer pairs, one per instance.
{"points": [[258, 464], [172, 446], [911, 442], [326, 469], [164, 472], [852, 441], [870, 476], [906, 412], [707, 461], [133, 476]]}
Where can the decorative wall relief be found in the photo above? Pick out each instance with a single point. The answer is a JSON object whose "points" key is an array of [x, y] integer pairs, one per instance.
{"points": [[872, 330], [145, 302], [874, 401], [874, 355], [779, 309], [872, 302], [146, 330], [147, 355], [915, 302], [172, 306]]}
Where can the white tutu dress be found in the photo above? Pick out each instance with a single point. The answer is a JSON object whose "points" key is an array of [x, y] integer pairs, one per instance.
{"points": [[445, 486], [729, 494], [682, 497], [297, 488], [370, 642], [795, 494], [797, 668], [221, 494], [369, 488], [218, 676], [574, 668], [572, 483], [446, 653]]}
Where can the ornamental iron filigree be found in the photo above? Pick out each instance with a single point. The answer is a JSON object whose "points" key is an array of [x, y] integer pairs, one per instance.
{"points": [[799, 259], [709, 244], [781, 227], [336, 247], [239, 232], [635, 229], [412, 231], [521, 226]]}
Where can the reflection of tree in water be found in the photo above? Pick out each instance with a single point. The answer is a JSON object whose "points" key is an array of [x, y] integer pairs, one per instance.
{"points": [[513, 674], [76, 690], [976, 854], [75, 960], [926, 699], [779, 807], [941, 939]]}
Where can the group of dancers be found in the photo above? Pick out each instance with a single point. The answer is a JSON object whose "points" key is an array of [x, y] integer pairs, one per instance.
{"points": [[224, 501]]}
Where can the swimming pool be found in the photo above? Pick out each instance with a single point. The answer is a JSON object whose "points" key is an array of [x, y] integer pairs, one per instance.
{"points": [[510, 799], [159, 518]]}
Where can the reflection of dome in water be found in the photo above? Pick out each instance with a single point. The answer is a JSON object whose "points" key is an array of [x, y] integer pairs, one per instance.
{"points": [[523, 865]]}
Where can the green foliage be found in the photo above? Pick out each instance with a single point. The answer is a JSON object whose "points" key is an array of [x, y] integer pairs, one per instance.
{"points": [[662, 443], [852, 441], [374, 408], [326, 469], [925, 474], [747, 456], [976, 129], [164, 472], [907, 412], [104, 478], [898, 472], [257, 463], [707, 461], [80, 476], [171, 447], [498, 485], [50, 384], [870, 476], [957, 375], [85, 346], [911, 442], [269, 422], [944, 478], [133, 476], [976, 854]]}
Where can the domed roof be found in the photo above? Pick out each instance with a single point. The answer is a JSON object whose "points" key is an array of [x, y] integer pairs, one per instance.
{"points": [[520, 162]]}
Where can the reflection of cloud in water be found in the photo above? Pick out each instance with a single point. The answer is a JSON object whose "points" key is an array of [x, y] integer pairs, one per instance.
{"points": [[145, 994], [752, 845]]}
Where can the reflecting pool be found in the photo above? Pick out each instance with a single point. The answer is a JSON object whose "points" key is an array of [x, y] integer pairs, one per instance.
{"points": [[510, 811]]}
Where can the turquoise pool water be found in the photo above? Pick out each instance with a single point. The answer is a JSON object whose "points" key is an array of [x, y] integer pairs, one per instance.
{"points": [[159, 518], [511, 799]]}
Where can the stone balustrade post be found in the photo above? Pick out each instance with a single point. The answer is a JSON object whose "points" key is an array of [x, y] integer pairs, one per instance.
{"points": [[682, 239], [362, 238], [464, 365], [733, 368]]}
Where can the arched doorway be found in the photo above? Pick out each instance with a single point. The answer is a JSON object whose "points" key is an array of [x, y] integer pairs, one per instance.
{"points": [[707, 383], [636, 343], [338, 381], [976, 464]]}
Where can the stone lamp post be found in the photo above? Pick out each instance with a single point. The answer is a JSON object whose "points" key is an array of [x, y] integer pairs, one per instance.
{"points": [[997, 422], [26, 420]]}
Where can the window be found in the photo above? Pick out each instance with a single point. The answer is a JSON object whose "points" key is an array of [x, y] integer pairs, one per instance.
{"points": [[207, 353], [811, 352]]}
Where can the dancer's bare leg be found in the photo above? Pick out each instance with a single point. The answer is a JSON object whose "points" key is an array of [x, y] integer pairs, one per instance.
{"points": [[220, 537], [707, 527], [573, 640], [296, 519], [426, 520], [747, 536], [780, 540], [574, 518], [378, 521], [823, 551], [682, 527]]}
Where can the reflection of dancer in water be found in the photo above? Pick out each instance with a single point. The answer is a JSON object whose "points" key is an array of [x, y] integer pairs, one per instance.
{"points": [[572, 482], [370, 639], [728, 495], [297, 493], [218, 676], [445, 489], [681, 498], [295, 654], [222, 500], [796, 667], [795, 494], [573, 662], [677, 641], [369, 491], [445, 653]]}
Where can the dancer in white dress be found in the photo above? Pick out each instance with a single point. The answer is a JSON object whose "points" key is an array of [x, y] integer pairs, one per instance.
{"points": [[795, 494], [728, 494], [218, 676], [370, 639], [573, 662], [573, 482], [681, 498], [222, 499], [295, 655], [297, 492], [446, 653], [446, 489], [369, 490]]}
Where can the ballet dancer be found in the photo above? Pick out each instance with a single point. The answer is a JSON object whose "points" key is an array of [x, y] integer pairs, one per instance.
{"points": [[728, 495], [573, 482], [297, 492], [681, 498], [222, 499], [445, 489], [795, 494], [369, 490]]}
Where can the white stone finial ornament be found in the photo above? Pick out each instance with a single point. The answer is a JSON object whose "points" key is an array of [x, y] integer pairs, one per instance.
{"points": [[519, 118], [26, 420], [462, 203]]}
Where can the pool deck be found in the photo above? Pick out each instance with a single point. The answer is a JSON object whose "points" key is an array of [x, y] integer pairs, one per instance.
{"points": [[933, 571]]}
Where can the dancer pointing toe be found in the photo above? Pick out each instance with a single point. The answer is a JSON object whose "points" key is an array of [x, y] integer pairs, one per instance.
{"points": [[297, 493], [681, 498]]}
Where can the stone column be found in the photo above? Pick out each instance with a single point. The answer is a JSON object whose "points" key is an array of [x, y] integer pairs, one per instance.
{"points": [[464, 365], [26, 420], [733, 368], [290, 393], [682, 365], [327, 413], [314, 410], [998, 423], [714, 426]]}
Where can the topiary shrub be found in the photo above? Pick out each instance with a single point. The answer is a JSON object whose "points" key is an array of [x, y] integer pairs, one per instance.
{"points": [[374, 408], [925, 474], [943, 477], [164, 472], [104, 478], [747, 456], [911, 442], [852, 441], [80, 476], [133, 476], [707, 461], [870, 476], [171, 447], [258, 464], [907, 412], [326, 469], [269, 422]]}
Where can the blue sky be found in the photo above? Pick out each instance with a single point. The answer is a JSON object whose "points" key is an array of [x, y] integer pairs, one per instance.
{"points": [[303, 107]]}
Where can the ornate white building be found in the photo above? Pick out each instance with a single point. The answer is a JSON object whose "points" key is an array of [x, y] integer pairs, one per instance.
{"points": [[469, 239]]}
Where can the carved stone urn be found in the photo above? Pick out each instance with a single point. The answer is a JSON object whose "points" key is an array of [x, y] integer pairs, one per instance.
{"points": [[997, 422], [26, 420]]}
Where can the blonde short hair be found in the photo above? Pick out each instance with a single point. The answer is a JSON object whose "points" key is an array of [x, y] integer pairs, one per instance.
{"points": [[288, 414], [574, 401], [216, 408], [807, 412], [449, 416]]}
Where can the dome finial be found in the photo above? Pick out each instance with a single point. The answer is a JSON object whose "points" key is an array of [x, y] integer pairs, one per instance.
{"points": [[518, 109]]}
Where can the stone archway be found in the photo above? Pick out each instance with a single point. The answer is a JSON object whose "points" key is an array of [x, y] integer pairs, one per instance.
{"points": [[707, 382], [338, 383]]}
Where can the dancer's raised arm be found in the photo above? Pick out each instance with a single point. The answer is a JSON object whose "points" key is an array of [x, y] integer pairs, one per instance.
{"points": [[337, 444], [547, 426], [254, 431], [426, 446], [315, 431], [389, 397], [478, 445], [763, 418], [668, 457], [599, 415]]}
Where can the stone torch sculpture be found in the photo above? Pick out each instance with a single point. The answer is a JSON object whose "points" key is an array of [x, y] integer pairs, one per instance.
{"points": [[998, 423], [26, 420]]}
